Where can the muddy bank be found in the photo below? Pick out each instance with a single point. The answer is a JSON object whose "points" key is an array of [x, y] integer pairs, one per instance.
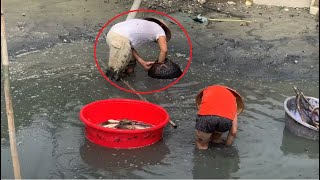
{"points": [[279, 43], [37, 24]]}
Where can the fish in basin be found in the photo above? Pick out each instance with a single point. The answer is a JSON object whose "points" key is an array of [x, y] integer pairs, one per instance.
{"points": [[166, 70], [125, 124]]}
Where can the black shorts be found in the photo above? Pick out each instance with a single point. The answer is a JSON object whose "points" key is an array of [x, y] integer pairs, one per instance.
{"points": [[210, 124]]}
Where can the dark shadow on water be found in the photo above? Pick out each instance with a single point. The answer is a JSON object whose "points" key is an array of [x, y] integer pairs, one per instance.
{"points": [[292, 144], [109, 159], [218, 162]]}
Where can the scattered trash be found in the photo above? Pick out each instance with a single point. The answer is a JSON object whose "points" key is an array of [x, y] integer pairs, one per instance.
{"points": [[200, 19], [244, 24], [231, 3], [64, 38], [21, 25], [296, 61], [180, 55], [202, 1], [248, 3], [286, 9]]}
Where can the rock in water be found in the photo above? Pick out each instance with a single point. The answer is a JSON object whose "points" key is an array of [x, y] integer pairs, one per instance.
{"points": [[167, 70], [202, 1], [248, 3], [231, 3]]}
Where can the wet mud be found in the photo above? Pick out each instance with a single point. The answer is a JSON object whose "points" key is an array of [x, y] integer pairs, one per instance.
{"points": [[53, 75]]}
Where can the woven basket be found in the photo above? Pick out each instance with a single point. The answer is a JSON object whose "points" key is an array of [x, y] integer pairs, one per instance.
{"points": [[167, 70]]}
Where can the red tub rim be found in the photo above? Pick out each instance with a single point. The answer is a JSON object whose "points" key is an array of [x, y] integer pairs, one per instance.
{"points": [[123, 131]]}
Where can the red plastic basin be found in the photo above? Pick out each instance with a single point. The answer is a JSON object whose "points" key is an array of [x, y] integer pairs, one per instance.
{"points": [[103, 110]]}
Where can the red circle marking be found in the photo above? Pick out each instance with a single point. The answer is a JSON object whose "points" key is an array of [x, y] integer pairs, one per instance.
{"points": [[141, 92]]}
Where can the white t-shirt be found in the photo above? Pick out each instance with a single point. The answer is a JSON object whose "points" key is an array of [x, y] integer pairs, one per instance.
{"points": [[138, 31]]}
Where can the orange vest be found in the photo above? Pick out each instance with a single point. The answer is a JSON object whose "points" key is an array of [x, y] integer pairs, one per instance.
{"points": [[219, 101]]}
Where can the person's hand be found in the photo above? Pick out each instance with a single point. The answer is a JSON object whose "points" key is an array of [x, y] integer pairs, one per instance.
{"points": [[147, 65]]}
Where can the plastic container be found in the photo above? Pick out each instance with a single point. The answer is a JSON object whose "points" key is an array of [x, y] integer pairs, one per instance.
{"points": [[103, 110]]}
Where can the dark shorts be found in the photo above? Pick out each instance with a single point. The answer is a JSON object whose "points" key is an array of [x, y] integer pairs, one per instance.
{"points": [[210, 124]]}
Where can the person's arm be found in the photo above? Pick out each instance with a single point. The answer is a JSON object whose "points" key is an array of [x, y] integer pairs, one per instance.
{"points": [[145, 64], [162, 41], [233, 131]]}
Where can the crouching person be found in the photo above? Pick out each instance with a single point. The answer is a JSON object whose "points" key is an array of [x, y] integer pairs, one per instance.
{"points": [[219, 107], [125, 37]]}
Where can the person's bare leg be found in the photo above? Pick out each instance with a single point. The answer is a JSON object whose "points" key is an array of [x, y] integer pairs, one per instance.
{"points": [[202, 139], [216, 138], [129, 70]]}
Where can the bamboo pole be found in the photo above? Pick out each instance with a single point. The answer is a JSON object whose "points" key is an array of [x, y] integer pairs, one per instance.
{"points": [[8, 100], [229, 20], [136, 4]]}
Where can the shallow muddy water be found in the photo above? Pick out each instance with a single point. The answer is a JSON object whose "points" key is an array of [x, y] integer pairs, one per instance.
{"points": [[49, 87], [52, 83]]}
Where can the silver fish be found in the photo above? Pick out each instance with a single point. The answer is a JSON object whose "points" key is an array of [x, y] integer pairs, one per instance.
{"points": [[140, 127], [131, 127], [113, 121], [112, 126], [124, 124]]}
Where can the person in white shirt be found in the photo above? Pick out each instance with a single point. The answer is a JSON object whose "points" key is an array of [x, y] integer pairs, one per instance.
{"points": [[125, 36]]}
